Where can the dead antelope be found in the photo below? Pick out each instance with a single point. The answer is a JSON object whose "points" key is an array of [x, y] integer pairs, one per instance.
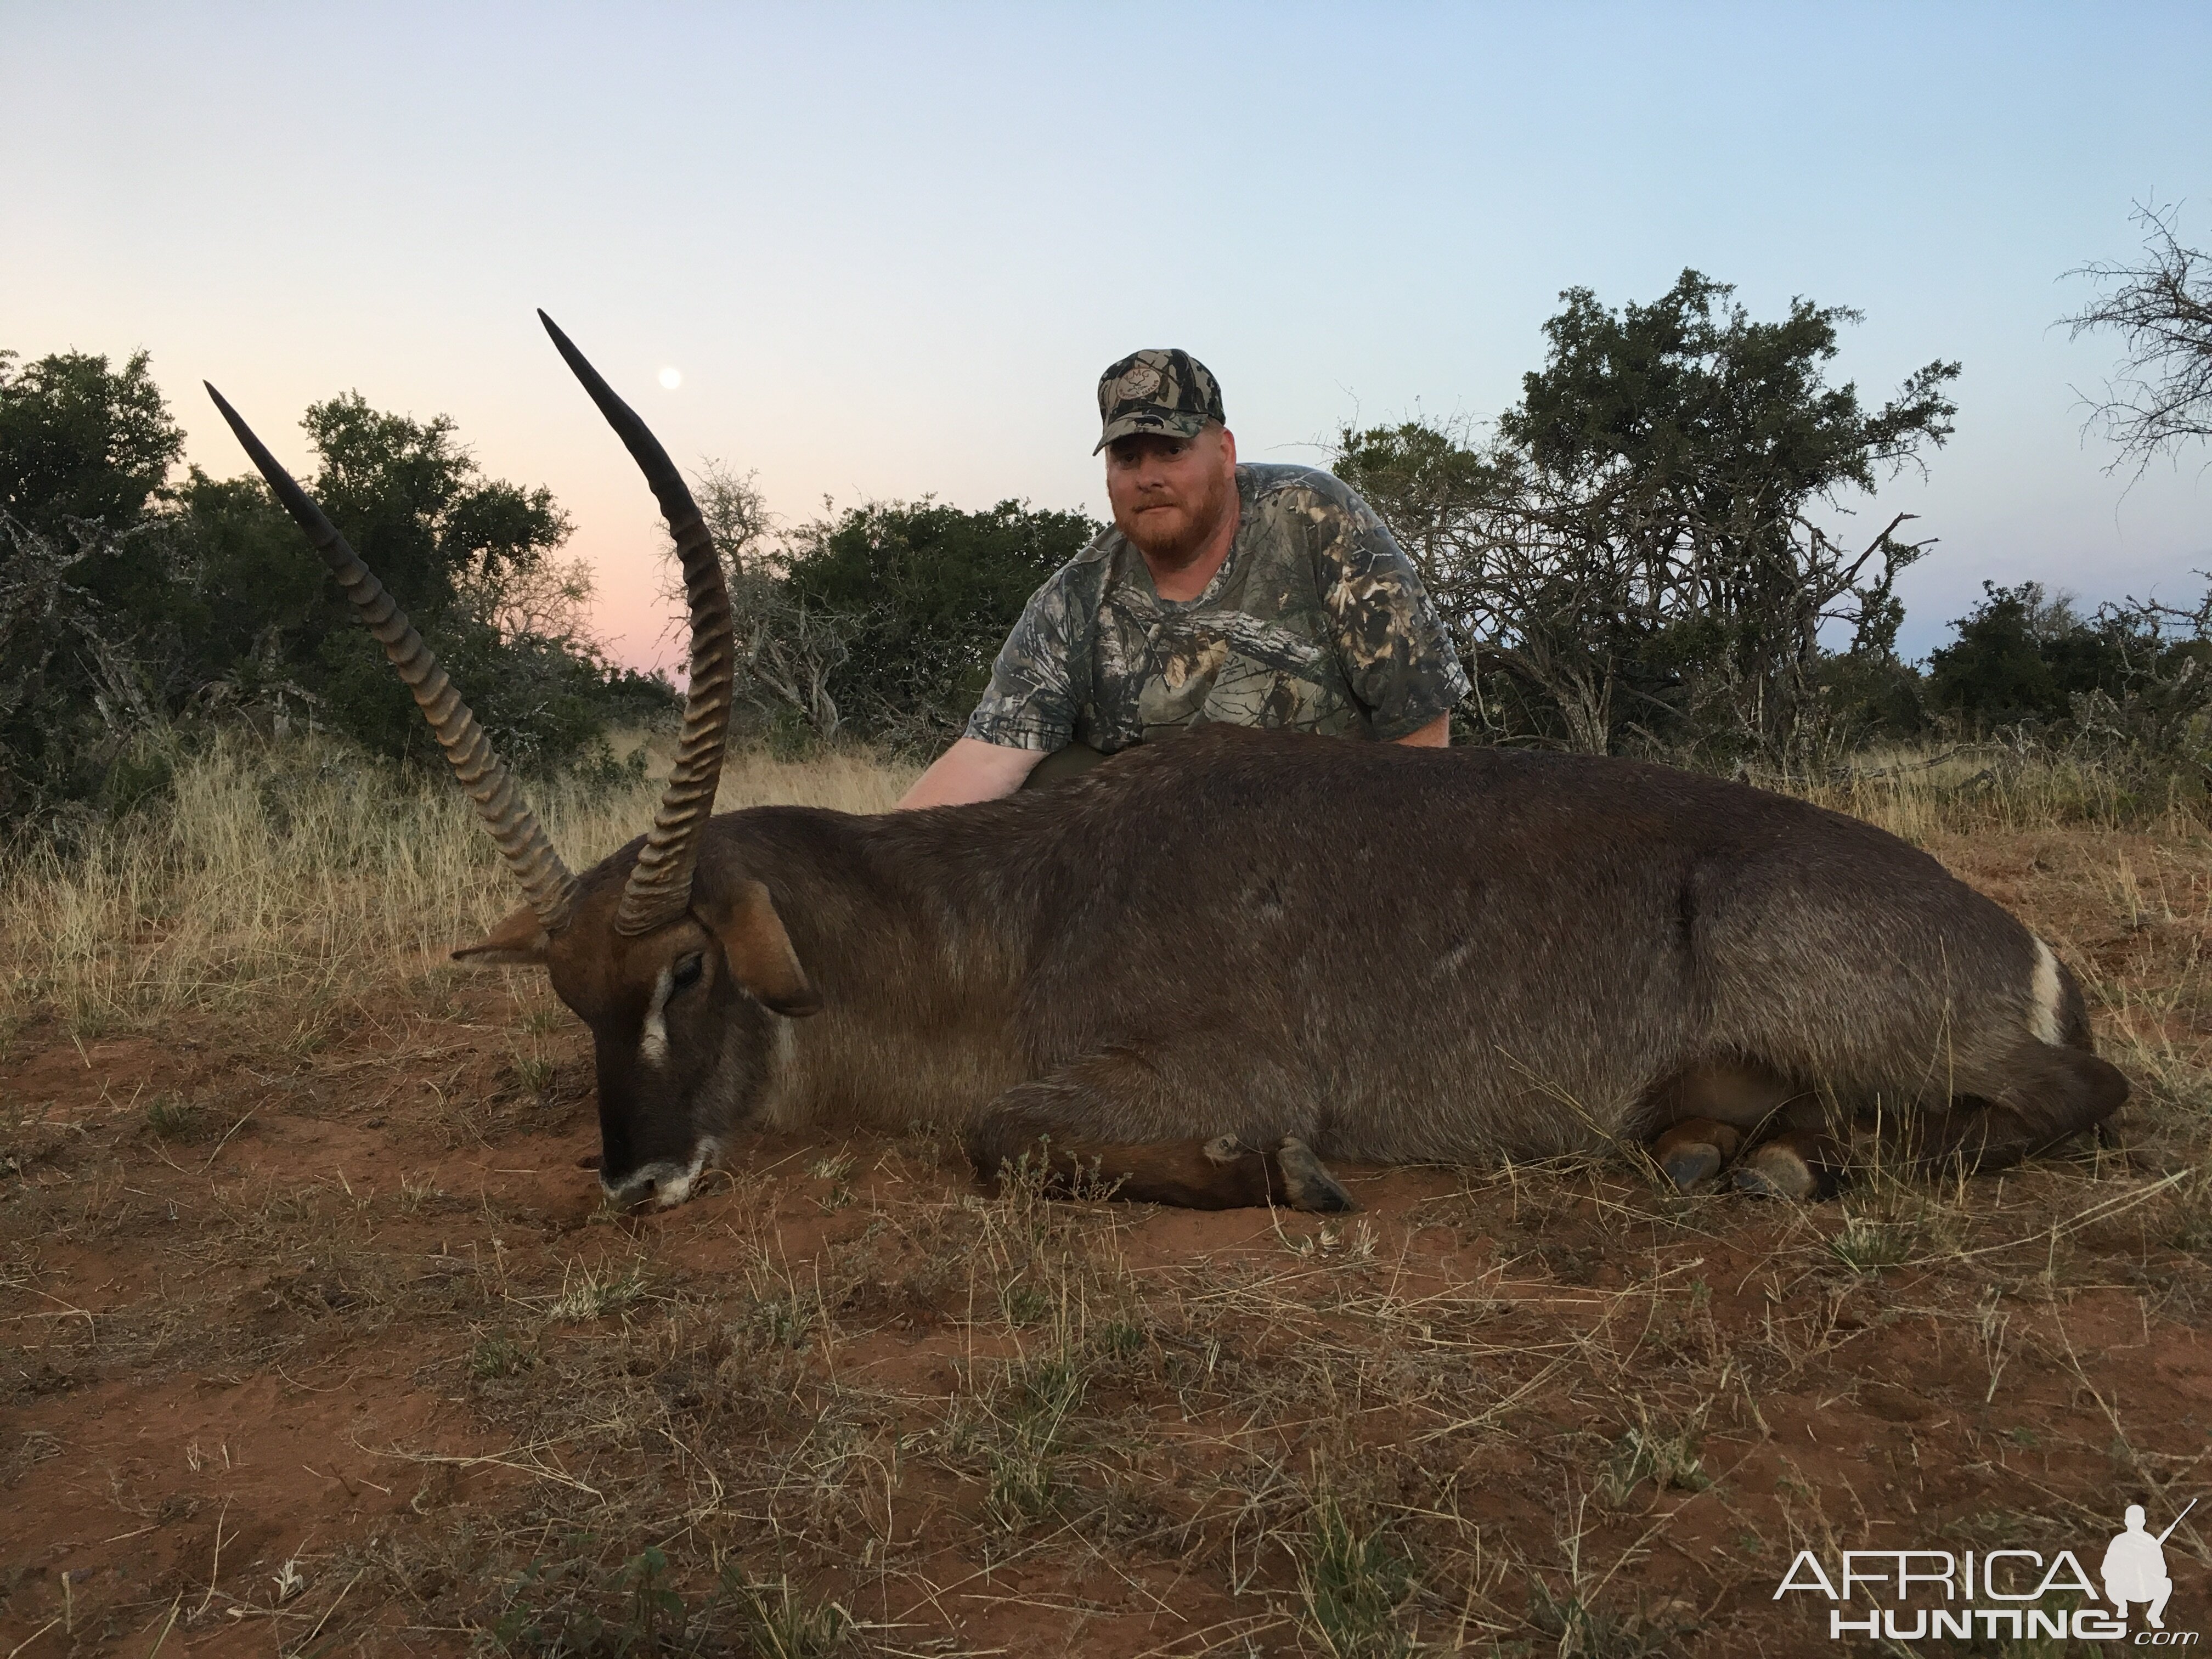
{"points": [[1206, 965]]}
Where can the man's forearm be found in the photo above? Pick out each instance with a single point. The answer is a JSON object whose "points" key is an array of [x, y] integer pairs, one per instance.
{"points": [[1437, 735], [972, 770]]}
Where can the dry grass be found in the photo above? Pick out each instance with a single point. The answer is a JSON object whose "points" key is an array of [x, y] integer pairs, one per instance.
{"points": [[321, 1343], [1976, 789], [287, 878]]}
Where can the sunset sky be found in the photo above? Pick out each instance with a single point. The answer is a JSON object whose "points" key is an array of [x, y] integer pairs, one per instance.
{"points": [[888, 249]]}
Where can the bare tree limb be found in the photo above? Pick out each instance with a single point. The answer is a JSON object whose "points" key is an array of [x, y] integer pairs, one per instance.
{"points": [[2161, 305]]}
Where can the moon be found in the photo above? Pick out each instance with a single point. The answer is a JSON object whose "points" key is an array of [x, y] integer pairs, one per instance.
{"points": [[671, 378]]}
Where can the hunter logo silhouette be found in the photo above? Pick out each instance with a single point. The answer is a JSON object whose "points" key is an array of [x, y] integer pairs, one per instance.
{"points": [[2135, 1567]]}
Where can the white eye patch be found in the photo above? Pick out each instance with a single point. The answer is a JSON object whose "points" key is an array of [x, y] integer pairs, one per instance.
{"points": [[653, 1045]]}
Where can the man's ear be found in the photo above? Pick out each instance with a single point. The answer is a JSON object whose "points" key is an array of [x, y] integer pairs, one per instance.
{"points": [[759, 952], [517, 942]]}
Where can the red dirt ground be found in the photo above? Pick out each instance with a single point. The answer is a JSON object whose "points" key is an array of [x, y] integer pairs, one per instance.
{"points": [[272, 1333]]}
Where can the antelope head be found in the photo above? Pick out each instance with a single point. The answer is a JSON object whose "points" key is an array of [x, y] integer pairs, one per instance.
{"points": [[677, 962]]}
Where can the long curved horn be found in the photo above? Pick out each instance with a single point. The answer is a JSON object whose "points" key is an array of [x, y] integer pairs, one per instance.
{"points": [[545, 880], [660, 884]]}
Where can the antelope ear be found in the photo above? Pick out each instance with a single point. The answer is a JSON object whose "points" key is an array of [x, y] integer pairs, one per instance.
{"points": [[760, 953], [519, 941]]}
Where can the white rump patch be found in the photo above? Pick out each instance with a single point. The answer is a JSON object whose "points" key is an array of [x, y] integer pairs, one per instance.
{"points": [[653, 1046], [2043, 996]]}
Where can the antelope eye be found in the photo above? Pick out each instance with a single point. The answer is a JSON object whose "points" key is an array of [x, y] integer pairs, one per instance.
{"points": [[686, 974]]}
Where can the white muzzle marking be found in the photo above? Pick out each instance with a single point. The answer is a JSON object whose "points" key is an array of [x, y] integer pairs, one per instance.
{"points": [[672, 1182]]}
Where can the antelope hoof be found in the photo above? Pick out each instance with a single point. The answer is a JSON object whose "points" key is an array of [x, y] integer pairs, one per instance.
{"points": [[1777, 1171], [1689, 1166], [1306, 1184]]}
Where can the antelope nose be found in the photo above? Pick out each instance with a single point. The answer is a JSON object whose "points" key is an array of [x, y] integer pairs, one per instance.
{"points": [[627, 1190]]}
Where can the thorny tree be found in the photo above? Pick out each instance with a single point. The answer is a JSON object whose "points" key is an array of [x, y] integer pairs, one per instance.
{"points": [[2161, 306], [74, 698], [1631, 559], [787, 650]]}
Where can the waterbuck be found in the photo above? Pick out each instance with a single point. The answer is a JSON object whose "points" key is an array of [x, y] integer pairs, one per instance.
{"points": [[1194, 972]]}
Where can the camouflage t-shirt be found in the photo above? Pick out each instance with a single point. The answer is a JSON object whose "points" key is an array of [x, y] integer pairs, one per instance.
{"points": [[1317, 622]]}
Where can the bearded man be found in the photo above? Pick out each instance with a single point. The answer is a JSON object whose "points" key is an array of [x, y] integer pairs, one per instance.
{"points": [[1258, 595]]}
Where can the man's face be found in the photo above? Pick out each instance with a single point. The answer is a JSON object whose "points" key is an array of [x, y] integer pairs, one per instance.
{"points": [[1170, 495]]}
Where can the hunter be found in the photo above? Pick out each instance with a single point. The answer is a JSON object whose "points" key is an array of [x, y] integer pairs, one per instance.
{"points": [[1256, 595]]}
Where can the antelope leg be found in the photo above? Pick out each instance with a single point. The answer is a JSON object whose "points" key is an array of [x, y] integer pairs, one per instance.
{"points": [[1694, 1150], [1111, 1125]]}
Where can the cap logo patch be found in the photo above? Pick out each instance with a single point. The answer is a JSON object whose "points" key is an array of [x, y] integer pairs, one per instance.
{"points": [[1156, 391], [1139, 382]]}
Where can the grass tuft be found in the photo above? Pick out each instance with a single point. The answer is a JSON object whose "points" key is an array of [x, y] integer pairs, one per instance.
{"points": [[1670, 1462], [775, 1621], [534, 1072], [1023, 1456], [171, 1117], [588, 1294], [494, 1356], [1353, 1581], [1867, 1245]]}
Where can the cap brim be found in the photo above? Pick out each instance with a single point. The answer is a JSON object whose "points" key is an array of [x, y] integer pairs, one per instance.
{"points": [[1159, 424]]}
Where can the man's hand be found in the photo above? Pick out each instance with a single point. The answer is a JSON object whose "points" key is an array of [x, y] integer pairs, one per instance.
{"points": [[972, 770], [1437, 735]]}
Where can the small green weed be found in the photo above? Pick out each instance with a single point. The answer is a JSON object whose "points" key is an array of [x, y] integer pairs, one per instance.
{"points": [[778, 1623], [534, 1072], [786, 1319], [1591, 1631], [837, 1170], [495, 1356], [2191, 1210], [1117, 1340], [554, 1610], [1023, 1304], [1669, 1461], [1023, 1459], [173, 1118], [1353, 1581]]}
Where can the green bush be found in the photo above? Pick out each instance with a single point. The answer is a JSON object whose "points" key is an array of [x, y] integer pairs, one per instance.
{"points": [[931, 592], [134, 613]]}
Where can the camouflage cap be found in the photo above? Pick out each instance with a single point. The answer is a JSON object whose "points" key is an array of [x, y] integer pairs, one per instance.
{"points": [[1169, 392]]}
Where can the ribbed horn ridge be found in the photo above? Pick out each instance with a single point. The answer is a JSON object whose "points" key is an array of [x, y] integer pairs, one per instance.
{"points": [[546, 882], [660, 884]]}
